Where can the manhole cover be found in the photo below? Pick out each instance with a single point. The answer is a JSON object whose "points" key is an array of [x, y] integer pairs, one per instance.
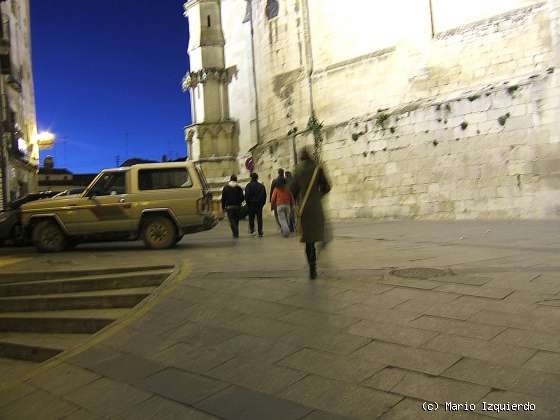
{"points": [[419, 273]]}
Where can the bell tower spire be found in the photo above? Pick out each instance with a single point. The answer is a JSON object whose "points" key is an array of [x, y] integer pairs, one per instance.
{"points": [[211, 138]]}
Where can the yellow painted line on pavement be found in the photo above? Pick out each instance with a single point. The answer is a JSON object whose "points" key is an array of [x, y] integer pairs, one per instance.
{"points": [[5, 261], [181, 272]]}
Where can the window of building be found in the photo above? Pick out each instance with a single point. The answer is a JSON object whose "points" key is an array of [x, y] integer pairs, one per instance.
{"points": [[209, 21], [271, 9], [161, 179]]}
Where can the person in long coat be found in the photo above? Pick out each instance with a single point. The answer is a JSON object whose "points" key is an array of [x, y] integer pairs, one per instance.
{"points": [[311, 216]]}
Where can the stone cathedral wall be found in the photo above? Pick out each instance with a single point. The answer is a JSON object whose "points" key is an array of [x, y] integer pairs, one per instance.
{"points": [[459, 124]]}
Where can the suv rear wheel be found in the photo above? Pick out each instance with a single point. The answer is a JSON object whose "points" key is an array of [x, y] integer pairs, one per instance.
{"points": [[48, 237], [159, 232]]}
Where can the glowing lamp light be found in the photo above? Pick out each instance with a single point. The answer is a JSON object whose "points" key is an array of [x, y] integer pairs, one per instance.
{"points": [[45, 140]]}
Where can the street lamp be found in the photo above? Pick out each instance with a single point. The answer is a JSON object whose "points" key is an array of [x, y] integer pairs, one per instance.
{"points": [[45, 140]]}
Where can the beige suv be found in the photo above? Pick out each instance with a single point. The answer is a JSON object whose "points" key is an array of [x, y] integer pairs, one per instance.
{"points": [[157, 202]]}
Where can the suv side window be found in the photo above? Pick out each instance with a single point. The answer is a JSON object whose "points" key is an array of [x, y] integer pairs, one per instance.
{"points": [[161, 179], [111, 183]]}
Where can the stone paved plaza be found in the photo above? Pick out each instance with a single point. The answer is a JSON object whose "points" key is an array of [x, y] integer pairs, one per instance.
{"points": [[243, 334]]}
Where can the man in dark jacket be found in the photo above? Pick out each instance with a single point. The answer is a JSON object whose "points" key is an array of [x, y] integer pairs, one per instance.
{"points": [[309, 176], [232, 198], [272, 186], [255, 196]]}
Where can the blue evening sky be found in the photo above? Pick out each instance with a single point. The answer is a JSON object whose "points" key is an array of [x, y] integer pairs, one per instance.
{"points": [[108, 71]]}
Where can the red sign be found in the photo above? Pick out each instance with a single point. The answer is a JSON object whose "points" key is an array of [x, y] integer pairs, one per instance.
{"points": [[250, 164]]}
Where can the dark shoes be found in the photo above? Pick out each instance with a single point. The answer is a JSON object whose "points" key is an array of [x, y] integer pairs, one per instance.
{"points": [[312, 272]]}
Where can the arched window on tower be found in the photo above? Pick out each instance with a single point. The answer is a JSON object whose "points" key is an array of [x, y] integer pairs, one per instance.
{"points": [[271, 9]]}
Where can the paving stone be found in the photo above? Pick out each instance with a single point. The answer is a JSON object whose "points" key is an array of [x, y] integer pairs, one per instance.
{"points": [[545, 409], [454, 310], [260, 327], [433, 388], [386, 379], [506, 306], [208, 315], [321, 415], [181, 386], [157, 408], [344, 399], [260, 377], [463, 279], [250, 306], [192, 294], [93, 356], [193, 358], [412, 409], [427, 296], [142, 343], [545, 362], [216, 284], [117, 398], [427, 361], [503, 354], [319, 320], [316, 302], [521, 321], [410, 282], [340, 343], [256, 349], [63, 378], [393, 316], [347, 281], [541, 384], [417, 307], [535, 282], [485, 292], [483, 373], [39, 405], [456, 327], [200, 335], [83, 414], [236, 403], [359, 296], [127, 368], [332, 366], [392, 333], [14, 393], [267, 294]]}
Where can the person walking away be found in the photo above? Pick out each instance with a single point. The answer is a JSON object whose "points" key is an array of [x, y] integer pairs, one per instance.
{"points": [[283, 201], [292, 220], [309, 186], [232, 198], [255, 197], [272, 187]]}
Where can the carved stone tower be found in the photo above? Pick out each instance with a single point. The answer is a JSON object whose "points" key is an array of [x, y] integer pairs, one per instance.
{"points": [[212, 137]]}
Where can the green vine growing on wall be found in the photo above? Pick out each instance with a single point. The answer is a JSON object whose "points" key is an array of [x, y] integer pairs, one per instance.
{"points": [[315, 126]]}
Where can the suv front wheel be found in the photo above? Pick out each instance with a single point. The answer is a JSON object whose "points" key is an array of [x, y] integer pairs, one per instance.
{"points": [[159, 232], [48, 237]]}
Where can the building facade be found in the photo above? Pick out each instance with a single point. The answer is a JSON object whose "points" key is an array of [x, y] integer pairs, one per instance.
{"points": [[435, 109], [51, 178], [19, 151]]}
